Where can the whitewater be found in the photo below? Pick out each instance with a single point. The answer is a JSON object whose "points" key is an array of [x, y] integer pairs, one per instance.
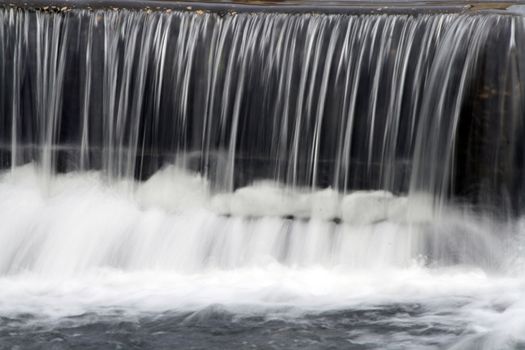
{"points": [[78, 248]]}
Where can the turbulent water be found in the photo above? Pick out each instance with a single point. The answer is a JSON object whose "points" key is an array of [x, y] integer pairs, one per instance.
{"points": [[87, 264], [177, 179]]}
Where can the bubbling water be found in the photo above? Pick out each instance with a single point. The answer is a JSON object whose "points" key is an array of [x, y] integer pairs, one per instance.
{"points": [[77, 244], [78, 222]]}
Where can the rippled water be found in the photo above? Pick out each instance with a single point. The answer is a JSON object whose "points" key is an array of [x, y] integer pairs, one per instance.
{"points": [[438, 311], [396, 326]]}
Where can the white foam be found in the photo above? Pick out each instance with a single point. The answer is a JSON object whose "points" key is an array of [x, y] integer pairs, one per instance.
{"points": [[77, 243], [490, 307], [77, 222], [175, 190]]}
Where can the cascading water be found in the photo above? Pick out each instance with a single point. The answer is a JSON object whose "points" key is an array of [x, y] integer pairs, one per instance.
{"points": [[336, 180]]}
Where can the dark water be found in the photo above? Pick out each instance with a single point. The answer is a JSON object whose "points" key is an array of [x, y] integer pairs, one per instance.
{"points": [[383, 327]]}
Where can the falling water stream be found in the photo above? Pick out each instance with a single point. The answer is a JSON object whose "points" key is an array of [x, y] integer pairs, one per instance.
{"points": [[191, 179]]}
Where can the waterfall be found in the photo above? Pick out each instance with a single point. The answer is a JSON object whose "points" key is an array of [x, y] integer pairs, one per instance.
{"points": [[261, 158], [347, 102], [360, 119]]}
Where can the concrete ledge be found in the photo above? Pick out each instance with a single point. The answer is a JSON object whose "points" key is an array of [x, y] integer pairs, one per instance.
{"points": [[281, 6], [348, 6]]}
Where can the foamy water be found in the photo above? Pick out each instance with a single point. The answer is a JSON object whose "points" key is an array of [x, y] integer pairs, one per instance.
{"points": [[77, 244]]}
